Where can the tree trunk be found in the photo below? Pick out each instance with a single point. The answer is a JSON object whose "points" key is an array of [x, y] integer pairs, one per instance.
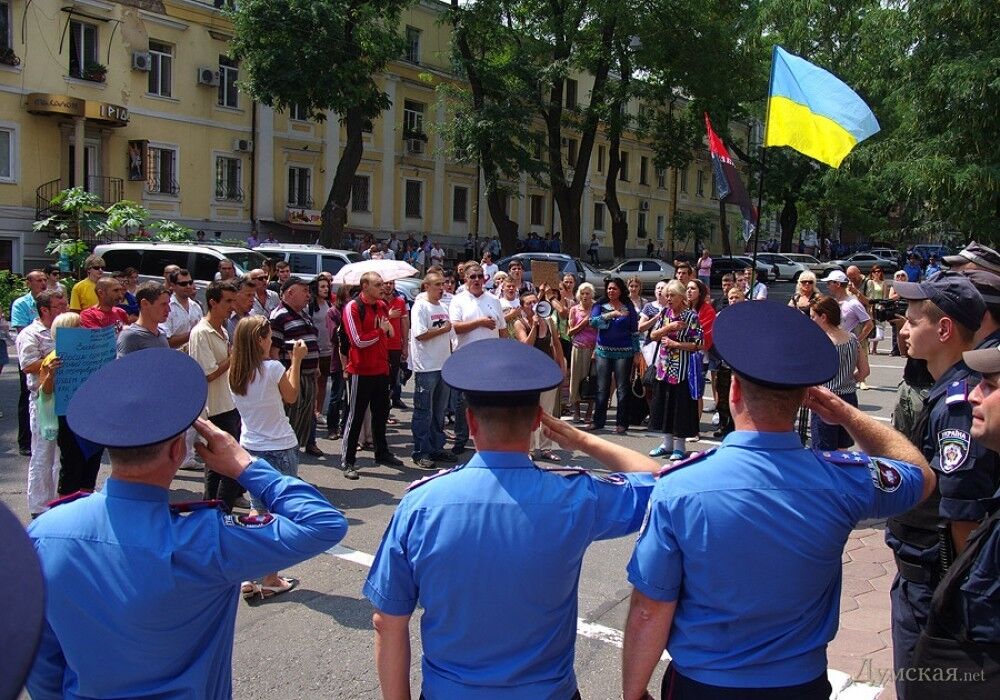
{"points": [[331, 230], [727, 248], [789, 219], [506, 228], [619, 223]]}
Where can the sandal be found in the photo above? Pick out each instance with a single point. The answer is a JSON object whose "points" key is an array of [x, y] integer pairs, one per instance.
{"points": [[268, 592], [249, 589]]}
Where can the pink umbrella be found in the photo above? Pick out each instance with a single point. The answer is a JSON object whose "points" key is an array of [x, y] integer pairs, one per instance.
{"points": [[390, 270]]}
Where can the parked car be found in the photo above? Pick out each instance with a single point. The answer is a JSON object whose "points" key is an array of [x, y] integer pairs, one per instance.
{"points": [[202, 261], [738, 263], [865, 262], [307, 261], [926, 250], [567, 264], [787, 268], [819, 268], [649, 270], [888, 254]]}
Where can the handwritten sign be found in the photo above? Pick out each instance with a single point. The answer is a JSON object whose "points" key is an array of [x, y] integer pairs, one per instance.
{"points": [[83, 351], [545, 272]]}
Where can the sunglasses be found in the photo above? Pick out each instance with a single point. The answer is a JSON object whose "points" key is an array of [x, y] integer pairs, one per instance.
{"points": [[476, 277], [807, 282], [187, 283]]}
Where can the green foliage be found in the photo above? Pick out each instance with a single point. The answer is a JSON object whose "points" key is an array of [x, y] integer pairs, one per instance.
{"points": [[171, 232], [75, 249], [76, 211], [125, 218], [12, 286], [688, 227]]}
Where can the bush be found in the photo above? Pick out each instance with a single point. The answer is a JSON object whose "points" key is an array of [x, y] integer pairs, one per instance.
{"points": [[12, 286]]}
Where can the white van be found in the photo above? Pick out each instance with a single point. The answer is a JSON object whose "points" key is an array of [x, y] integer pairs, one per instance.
{"points": [[307, 261]]}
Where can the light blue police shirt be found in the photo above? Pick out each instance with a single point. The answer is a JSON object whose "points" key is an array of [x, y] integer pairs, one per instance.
{"points": [[141, 601], [493, 553], [749, 542]]}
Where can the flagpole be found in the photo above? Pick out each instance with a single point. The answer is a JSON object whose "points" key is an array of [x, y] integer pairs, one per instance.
{"points": [[763, 169]]}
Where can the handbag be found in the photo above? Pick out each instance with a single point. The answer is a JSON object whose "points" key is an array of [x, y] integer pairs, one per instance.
{"points": [[588, 385]]}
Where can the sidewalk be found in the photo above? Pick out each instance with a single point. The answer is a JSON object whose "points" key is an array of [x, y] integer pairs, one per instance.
{"points": [[863, 645]]}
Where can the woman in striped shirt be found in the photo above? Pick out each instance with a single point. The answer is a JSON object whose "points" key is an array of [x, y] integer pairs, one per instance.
{"points": [[853, 369]]}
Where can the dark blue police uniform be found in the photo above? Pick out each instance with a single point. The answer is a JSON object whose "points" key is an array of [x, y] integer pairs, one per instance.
{"points": [[493, 550], [967, 475], [141, 595], [748, 539]]}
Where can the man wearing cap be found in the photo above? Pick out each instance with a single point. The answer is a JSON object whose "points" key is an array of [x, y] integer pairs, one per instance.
{"points": [[933, 268], [913, 268], [773, 514], [291, 322], [854, 317], [988, 286], [506, 626], [141, 594], [942, 317], [974, 256]]}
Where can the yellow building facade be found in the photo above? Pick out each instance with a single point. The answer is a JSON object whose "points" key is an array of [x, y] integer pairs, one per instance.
{"points": [[138, 100]]}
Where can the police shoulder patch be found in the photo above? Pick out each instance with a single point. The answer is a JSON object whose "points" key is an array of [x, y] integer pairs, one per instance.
{"points": [[953, 449], [885, 475], [192, 506], [252, 521], [957, 392], [427, 479], [842, 458], [696, 457]]}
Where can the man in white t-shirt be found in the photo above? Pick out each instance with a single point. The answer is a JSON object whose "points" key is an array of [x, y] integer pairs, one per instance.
{"points": [[490, 269], [475, 315], [430, 346], [437, 254]]}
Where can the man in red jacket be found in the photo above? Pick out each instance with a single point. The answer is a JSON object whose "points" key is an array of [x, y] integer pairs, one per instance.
{"points": [[367, 327]]}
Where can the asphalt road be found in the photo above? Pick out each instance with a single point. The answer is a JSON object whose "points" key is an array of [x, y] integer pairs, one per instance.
{"points": [[317, 641]]}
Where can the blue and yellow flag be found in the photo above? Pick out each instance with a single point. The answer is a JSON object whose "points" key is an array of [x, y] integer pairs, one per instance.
{"points": [[813, 111]]}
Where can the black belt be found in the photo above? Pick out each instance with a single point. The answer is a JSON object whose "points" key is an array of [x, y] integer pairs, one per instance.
{"points": [[914, 571]]}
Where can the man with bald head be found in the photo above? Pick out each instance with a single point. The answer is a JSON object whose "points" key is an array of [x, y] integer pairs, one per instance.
{"points": [[265, 300]]}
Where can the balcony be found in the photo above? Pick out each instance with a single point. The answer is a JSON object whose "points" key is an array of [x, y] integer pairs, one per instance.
{"points": [[109, 190]]}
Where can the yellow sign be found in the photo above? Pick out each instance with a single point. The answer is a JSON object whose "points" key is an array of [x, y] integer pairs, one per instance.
{"points": [[102, 112]]}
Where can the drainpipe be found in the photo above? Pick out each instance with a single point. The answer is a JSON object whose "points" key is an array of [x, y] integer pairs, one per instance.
{"points": [[253, 167]]}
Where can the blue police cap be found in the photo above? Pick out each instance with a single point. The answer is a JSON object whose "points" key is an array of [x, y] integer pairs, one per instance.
{"points": [[24, 604], [140, 399], [774, 345], [499, 372], [952, 292]]}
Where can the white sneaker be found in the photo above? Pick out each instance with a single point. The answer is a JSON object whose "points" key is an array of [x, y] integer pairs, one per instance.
{"points": [[715, 419], [320, 420], [863, 386]]}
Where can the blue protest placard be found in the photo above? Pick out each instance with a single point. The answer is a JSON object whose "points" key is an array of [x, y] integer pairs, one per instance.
{"points": [[83, 351]]}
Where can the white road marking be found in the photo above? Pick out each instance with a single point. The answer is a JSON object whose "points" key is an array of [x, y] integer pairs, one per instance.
{"points": [[844, 688], [886, 366]]}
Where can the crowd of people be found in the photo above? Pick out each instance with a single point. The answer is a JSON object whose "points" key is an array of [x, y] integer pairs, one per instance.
{"points": [[496, 360]]}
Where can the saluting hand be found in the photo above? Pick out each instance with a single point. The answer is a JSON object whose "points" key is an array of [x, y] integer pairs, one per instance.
{"points": [[828, 406], [568, 437], [221, 452]]}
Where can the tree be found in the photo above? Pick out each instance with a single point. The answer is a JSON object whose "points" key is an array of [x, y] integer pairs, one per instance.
{"points": [[321, 55], [687, 227]]}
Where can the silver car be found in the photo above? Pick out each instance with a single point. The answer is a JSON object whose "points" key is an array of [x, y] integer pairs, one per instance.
{"points": [[649, 270], [865, 262], [787, 268], [819, 268]]}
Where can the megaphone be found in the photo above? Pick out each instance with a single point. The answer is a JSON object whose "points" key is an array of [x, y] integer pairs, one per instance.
{"points": [[543, 309]]}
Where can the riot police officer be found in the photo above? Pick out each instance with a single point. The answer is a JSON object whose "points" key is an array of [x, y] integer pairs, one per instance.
{"points": [[942, 318]]}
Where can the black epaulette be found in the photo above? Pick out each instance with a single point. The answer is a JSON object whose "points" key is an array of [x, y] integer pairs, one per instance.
{"points": [[696, 457], [420, 482], [843, 458], [68, 499], [192, 506], [564, 470]]}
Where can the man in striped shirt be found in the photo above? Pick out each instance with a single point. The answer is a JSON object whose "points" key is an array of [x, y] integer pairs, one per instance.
{"points": [[289, 323]]}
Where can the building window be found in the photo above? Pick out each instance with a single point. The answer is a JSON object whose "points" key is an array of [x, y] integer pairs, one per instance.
{"points": [[600, 159], [300, 187], [361, 194], [8, 154], [537, 203], [661, 178], [161, 58], [570, 93], [539, 146], [229, 73], [640, 229], [298, 113], [5, 25], [643, 168], [661, 227], [714, 190], [623, 167], [598, 216], [571, 150], [460, 205], [82, 49], [684, 180], [413, 45], [701, 183], [228, 178], [414, 199], [161, 173], [413, 119]]}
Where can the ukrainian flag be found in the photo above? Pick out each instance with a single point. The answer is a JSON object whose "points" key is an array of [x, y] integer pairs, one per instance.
{"points": [[813, 111]]}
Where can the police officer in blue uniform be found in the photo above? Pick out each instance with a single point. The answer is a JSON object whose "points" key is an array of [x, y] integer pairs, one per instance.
{"points": [[142, 595], [737, 570], [942, 317], [492, 550], [958, 653], [988, 286]]}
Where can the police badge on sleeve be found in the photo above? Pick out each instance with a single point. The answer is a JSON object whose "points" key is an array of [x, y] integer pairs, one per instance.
{"points": [[953, 448], [885, 476]]}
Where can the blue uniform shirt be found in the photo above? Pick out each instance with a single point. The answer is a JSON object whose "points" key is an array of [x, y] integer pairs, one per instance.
{"points": [[23, 311], [141, 601], [749, 542], [493, 552]]}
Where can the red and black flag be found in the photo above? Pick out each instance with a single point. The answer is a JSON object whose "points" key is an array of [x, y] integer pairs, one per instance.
{"points": [[728, 183]]}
